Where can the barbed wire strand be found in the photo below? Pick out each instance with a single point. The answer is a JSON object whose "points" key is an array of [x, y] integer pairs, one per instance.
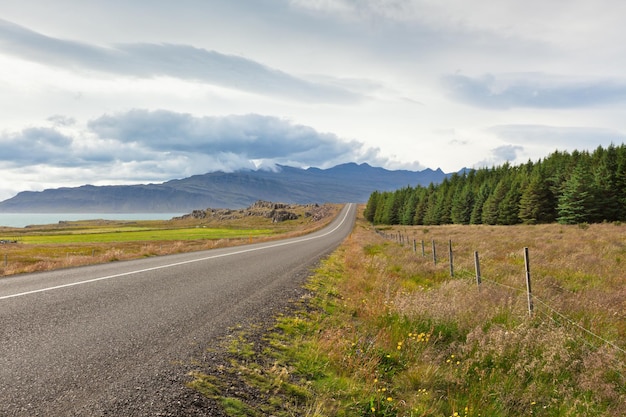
{"points": [[521, 290], [616, 361], [564, 317], [546, 305]]}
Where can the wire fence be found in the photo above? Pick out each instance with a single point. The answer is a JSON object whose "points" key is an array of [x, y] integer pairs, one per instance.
{"points": [[549, 312]]}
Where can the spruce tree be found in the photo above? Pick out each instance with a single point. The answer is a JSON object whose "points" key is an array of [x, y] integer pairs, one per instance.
{"points": [[408, 210], [576, 203], [476, 217], [508, 209], [462, 205], [431, 214], [537, 203], [380, 207], [605, 181], [370, 208], [390, 209], [620, 181], [422, 203], [491, 207]]}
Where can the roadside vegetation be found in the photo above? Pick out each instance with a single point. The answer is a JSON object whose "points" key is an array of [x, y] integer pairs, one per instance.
{"points": [[73, 243], [387, 332]]}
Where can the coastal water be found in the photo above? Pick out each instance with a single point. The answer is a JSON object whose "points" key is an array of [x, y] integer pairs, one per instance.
{"points": [[28, 219]]}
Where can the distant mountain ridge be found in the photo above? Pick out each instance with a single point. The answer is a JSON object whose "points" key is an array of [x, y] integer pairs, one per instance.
{"points": [[349, 182]]}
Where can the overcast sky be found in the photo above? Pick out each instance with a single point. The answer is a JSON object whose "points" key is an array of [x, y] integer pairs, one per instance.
{"points": [[118, 91]]}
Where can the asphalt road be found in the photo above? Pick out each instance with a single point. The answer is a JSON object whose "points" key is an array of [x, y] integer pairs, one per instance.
{"points": [[117, 339]]}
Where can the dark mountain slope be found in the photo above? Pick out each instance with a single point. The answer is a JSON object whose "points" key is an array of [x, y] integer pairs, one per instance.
{"points": [[343, 183]]}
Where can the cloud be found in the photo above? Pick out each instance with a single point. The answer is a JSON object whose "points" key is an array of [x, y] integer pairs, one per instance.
{"points": [[533, 91], [147, 60], [34, 145], [507, 152], [153, 146], [252, 136], [500, 155], [561, 137], [60, 120]]}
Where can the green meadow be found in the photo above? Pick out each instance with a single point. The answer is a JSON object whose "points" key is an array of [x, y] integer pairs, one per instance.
{"points": [[135, 234]]}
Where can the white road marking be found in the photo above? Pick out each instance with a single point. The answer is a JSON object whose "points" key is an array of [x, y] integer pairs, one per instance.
{"points": [[180, 263]]}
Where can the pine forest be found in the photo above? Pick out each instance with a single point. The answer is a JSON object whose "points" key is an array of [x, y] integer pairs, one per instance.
{"points": [[569, 188]]}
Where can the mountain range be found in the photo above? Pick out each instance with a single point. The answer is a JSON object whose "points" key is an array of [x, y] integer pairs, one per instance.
{"points": [[343, 183]]}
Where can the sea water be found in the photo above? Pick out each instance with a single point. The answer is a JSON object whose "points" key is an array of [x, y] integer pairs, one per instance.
{"points": [[29, 219]]}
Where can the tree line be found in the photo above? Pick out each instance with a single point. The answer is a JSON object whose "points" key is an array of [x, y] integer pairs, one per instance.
{"points": [[569, 188]]}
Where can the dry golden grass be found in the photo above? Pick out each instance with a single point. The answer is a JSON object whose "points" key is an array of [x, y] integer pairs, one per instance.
{"points": [[414, 341], [577, 271]]}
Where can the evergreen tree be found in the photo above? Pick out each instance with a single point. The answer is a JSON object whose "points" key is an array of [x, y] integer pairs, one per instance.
{"points": [[408, 210], [508, 209], [576, 203], [431, 214], [422, 204], [370, 208], [492, 204], [390, 209], [476, 217], [443, 206], [537, 204], [605, 181], [620, 182], [462, 205], [380, 207]]}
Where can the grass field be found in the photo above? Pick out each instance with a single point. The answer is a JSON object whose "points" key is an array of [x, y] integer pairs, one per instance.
{"points": [[75, 243], [389, 333], [136, 234]]}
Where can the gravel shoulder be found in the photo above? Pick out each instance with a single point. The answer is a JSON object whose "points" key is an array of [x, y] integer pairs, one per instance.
{"points": [[218, 362]]}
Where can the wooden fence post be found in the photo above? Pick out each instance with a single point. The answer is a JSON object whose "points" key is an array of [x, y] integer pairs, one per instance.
{"points": [[414, 246], [434, 253], [477, 266], [451, 260], [530, 294], [423, 250]]}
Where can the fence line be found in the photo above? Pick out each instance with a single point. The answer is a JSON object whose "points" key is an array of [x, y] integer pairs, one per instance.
{"points": [[572, 322], [552, 309], [480, 279], [520, 290]]}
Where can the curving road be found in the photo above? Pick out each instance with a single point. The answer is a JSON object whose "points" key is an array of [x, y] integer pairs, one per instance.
{"points": [[116, 339]]}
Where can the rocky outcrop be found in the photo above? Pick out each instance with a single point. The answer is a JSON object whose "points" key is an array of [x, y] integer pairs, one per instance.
{"points": [[278, 216], [278, 212], [261, 204]]}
